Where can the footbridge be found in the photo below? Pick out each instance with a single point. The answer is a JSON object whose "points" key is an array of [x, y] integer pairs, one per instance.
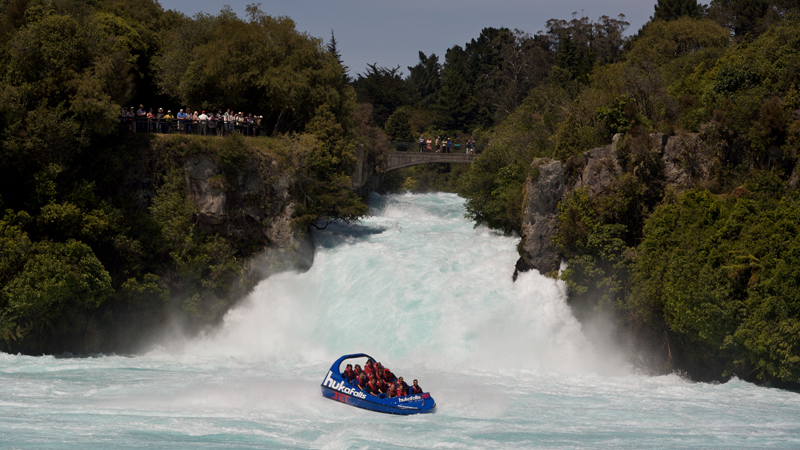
{"points": [[399, 160]]}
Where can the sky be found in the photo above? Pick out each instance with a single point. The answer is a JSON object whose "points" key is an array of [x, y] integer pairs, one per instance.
{"points": [[392, 34]]}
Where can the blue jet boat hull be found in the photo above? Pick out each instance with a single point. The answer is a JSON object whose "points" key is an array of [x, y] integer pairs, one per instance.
{"points": [[336, 388]]}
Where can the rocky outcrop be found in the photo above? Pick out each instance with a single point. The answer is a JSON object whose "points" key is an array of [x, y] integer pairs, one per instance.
{"points": [[683, 159], [370, 167], [209, 197], [253, 205], [540, 219]]}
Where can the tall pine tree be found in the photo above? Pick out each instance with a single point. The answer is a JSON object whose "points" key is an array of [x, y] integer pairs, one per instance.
{"points": [[334, 50]]}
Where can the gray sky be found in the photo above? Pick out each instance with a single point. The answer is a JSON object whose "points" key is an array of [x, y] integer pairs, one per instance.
{"points": [[392, 33]]}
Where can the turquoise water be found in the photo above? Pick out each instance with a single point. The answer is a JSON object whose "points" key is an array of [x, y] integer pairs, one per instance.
{"points": [[418, 287]]}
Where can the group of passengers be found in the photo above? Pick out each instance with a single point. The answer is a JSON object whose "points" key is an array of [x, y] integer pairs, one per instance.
{"points": [[444, 145], [376, 380], [188, 122]]}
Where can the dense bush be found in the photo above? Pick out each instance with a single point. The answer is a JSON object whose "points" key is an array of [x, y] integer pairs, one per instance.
{"points": [[721, 274]]}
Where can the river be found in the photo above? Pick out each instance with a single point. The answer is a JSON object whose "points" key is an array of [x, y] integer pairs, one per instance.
{"points": [[417, 286]]}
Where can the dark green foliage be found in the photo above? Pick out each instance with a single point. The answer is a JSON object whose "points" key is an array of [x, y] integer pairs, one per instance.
{"points": [[397, 126], [742, 17], [425, 79], [458, 104], [333, 49], [384, 89], [262, 65], [44, 300], [718, 273], [618, 117], [673, 9]]}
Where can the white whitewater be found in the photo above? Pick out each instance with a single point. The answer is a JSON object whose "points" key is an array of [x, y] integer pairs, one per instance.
{"points": [[421, 289]]}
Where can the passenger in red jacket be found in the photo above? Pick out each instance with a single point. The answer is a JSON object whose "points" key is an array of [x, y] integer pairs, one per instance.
{"points": [[362, 381], [358, 370], [403, 385], [348, 373], [382, 384], [399, 391], [369, 368], [373, 387], [415, 389], [390, 391], [388, 376]]}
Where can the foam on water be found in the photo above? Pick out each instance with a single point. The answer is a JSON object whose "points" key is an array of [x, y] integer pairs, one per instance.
{"points": [[419, 287]]}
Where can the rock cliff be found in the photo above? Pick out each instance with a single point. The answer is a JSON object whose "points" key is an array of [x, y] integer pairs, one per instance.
{"points": [[255, 206], [682, 161]]}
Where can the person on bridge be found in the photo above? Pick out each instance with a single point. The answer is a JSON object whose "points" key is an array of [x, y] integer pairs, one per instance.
{"points": [[181, 121], [421, 143], [429, 144], [449, 145]]}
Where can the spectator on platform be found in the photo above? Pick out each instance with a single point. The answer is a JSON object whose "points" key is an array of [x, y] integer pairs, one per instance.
{"points": [[203, 123], [160, 121], [141, 119], [181, 121], [150, 123]]}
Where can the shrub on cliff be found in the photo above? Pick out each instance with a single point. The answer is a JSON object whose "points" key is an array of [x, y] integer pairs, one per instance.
{"points": [[720, 275]]}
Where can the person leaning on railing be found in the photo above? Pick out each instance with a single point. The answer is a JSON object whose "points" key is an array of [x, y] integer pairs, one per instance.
{"points": [[159, 121]]}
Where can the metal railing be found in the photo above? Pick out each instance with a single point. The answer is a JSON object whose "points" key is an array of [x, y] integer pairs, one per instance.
{"points": [[210, 127], [415, 147]]}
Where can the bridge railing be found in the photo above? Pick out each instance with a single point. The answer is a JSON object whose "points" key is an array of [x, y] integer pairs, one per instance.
{"points": [[200, 127], [414, 147]]}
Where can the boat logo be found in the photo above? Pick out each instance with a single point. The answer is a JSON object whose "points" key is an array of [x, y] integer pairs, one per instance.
{"points": [[340, 386], [410, 398]]}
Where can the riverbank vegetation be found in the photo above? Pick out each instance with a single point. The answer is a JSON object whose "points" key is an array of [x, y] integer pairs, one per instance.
{"points": [[100, 238]]}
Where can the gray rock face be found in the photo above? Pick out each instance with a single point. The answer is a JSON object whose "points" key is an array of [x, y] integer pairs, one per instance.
{"points": [[684, 163], [258, 208], [540, 217], [209, 198], [600, 168]]}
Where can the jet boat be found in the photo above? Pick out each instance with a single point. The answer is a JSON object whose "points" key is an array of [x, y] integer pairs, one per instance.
{"points": [[335, 387]]}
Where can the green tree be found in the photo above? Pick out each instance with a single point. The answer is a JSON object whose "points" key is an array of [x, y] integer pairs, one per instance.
{"points": [[263, 65], [397, 126], [58, 284], [425, 79], [384, 89], [333, 49], [739, 16], [458, 104], [673, 9]]}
